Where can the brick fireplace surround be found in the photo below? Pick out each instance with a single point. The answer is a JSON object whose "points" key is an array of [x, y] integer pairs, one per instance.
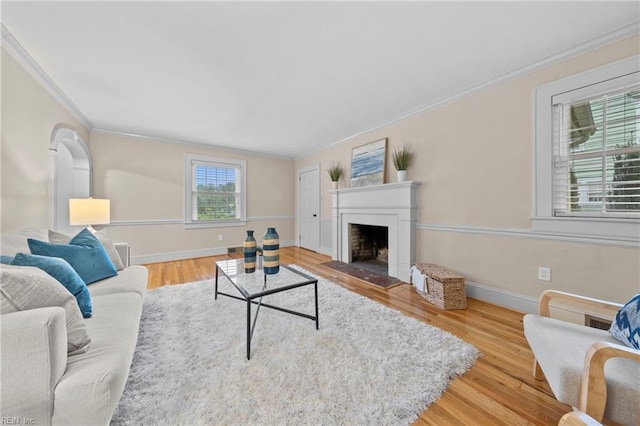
{"points": [[392, 205]]}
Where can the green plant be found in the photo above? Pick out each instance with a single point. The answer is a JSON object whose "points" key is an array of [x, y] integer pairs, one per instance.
{"points": [[335, 172], [402, 158]]}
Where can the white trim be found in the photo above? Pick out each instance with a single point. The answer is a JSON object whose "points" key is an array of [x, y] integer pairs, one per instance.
{"points": [[525, 233], [505, 298], [596, 43], [269, 218], [146, 222], [188, 143], [188, 254], [324, 250], [15, 49], [214, 224], [182, 222]]}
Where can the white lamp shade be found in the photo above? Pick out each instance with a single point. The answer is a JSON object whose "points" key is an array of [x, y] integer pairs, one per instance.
{"points": [[89, 211]]}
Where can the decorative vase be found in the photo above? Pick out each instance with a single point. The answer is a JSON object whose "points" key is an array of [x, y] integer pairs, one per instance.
{"points": [[249, 248], [271, 251], [402, 175], [334, 184]]}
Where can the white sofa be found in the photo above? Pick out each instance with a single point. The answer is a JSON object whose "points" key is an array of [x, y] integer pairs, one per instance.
{"points": [[40, 383]]}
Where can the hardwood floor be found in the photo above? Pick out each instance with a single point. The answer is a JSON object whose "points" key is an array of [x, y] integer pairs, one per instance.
{"points": [[498, 390]]}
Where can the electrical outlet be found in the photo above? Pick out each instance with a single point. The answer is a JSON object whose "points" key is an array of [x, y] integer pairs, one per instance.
{"points": [[544, 274], [220, 237]]}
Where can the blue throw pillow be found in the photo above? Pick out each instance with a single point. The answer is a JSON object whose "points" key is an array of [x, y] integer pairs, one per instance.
{"points": [[6, 260], [84, 253], [64, 273], [626, 326]]}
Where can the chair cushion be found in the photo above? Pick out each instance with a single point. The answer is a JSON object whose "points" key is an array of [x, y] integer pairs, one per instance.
{"points": [[102, 236], [132, 279], [24, 287], [84, 253], [560, 348], [94, 381], [64, 273], [626, 326]]}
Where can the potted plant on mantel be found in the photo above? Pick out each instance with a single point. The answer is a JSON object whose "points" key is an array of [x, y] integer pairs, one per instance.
{"points": [[401, 161], [335, 172]]}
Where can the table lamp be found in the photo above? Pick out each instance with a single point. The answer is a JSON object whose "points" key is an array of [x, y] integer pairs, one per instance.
{"points": [[89, 211]]}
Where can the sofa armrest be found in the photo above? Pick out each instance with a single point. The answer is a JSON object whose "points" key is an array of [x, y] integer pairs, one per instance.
{"points": [[586, 303], [593, 385], [34, 358], [124, 253]]}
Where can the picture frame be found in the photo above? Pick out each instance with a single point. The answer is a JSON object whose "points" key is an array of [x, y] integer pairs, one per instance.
{"points": [[368, 164]]}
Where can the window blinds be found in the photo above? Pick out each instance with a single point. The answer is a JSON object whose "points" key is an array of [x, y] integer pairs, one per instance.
{"points": [[596, 154], [215, 191]]}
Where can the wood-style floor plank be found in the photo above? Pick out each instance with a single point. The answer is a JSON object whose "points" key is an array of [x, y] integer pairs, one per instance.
{"points": [[498, 390]]}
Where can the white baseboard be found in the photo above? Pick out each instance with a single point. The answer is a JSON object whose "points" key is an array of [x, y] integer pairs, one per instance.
{"points": [[324, 250], [187, 254], [505, 298]]}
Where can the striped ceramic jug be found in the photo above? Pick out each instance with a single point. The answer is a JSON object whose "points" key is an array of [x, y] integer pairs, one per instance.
{"points": [[271, 251], [249, 249]]}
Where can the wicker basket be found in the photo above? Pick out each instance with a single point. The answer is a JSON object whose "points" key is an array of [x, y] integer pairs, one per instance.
{"points": [[442, 287]]}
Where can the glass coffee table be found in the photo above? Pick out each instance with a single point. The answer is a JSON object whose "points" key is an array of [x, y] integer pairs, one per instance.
{"points": [[252, 287]]}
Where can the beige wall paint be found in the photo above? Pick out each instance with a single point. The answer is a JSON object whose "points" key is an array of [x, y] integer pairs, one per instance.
{"points": [[473, 158], [29, 115], [144, 179]]}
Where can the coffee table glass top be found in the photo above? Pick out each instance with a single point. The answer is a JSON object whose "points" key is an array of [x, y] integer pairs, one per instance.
{"points": [[251, 284]]}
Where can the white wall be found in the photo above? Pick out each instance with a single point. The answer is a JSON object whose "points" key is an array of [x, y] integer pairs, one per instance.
{"points": [[144, 179], [473, 158], [29, 115]]}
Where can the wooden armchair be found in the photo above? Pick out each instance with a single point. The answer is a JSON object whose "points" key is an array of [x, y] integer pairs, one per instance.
{"points": [[573, 357]]}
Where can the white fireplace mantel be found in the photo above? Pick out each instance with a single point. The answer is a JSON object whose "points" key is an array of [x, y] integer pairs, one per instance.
{"points": [[392, 205]]}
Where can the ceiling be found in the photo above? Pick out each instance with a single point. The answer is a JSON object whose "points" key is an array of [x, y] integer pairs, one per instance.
{"points": [[288, 78]]}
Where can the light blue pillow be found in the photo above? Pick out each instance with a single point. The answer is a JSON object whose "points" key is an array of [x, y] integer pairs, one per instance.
{"points": [[64, 273], [626, 326], [84, 253]]}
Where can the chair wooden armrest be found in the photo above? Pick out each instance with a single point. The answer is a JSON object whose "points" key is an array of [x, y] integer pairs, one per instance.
{"points": [[593, 387], [578, 418], [589, 303], [586, 302]]}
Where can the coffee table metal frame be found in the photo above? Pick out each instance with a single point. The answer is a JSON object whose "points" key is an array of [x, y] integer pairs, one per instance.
{"points": [[250, 298]]}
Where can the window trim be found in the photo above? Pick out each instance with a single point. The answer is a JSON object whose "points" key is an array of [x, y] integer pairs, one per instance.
{"points": [[542, 219], [188, 182]]}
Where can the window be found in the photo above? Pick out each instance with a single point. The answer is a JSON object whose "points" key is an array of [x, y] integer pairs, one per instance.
{"points": [[587, 154], [596, 153], [215, 191]]}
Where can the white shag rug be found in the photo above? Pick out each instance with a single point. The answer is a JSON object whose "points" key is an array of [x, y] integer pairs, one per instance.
{"points": [[367, 364]]}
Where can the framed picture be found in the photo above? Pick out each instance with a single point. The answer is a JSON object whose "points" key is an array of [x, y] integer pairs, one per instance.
{"points": [[368, 164]]}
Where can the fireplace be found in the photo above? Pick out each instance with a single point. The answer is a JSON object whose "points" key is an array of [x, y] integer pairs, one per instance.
{"points": [[391, 206], [369, 244]]}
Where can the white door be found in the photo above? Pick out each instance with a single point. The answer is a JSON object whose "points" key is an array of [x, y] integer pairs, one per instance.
{"points": [[309, 208]]}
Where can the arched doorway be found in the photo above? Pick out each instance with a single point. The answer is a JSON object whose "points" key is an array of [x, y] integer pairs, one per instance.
{"points": [[70, 175]]}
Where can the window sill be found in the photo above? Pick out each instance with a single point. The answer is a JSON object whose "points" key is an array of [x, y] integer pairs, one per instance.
{"points": [[215, 224], [615, 231]]}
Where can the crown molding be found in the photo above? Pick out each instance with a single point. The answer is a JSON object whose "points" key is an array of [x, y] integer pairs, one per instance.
{"points": [[593, 44], [15, 49], [189, 143]]}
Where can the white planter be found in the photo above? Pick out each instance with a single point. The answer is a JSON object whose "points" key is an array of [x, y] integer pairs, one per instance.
{"points": [[334, 185], [402, 175]]}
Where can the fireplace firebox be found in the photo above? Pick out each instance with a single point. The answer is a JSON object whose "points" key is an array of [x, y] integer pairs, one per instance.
{"points": [[369, 243]]}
